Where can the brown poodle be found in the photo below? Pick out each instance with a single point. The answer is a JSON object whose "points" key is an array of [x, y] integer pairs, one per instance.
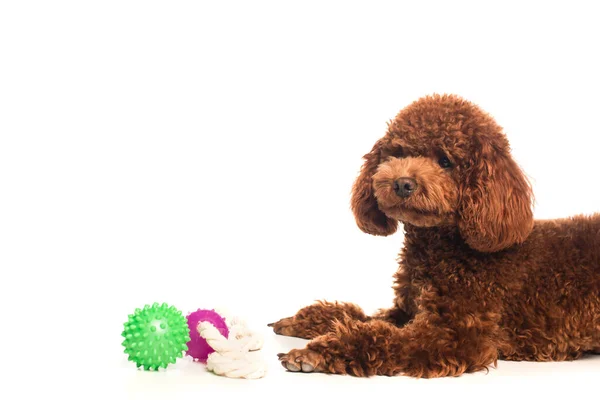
{"points": [[478, 280]]}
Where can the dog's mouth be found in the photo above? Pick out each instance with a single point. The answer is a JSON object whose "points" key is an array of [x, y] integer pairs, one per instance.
{"points": [[419, 208], [402, 212], [417, 216], [419, 211], [390, 202]]}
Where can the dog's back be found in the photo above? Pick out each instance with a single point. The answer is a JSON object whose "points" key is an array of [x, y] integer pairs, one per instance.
{"points": [[555, 313]]}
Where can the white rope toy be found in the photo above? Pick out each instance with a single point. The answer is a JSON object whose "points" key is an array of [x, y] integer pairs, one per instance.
{"points": [[232, 357]]}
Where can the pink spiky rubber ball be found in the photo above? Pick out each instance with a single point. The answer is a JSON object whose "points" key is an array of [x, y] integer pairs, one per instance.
{"points": [[198, 347]]}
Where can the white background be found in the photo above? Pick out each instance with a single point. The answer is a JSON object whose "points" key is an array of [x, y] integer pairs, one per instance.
{"points": [[202, 154]]}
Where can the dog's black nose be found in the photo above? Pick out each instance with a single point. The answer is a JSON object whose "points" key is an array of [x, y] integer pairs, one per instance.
{"points": [[405, 186]]}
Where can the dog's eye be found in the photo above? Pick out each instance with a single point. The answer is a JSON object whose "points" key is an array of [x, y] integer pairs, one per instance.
{"points": [[398, 153], [444, 162]]}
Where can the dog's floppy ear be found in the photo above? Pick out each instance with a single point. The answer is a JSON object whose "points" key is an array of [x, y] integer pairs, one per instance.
{"points": [[496, 200], [364, 205]]}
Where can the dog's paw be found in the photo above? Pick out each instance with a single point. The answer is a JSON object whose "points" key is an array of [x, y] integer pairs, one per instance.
{"points": [[284, 326], [302, 360], [291, 326]]}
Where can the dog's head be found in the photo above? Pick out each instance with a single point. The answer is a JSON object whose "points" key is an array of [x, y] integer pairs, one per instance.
{"points": [[444, 161]]}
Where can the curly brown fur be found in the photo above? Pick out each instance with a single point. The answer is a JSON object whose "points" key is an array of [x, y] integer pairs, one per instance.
{"points": [[478, 280]]}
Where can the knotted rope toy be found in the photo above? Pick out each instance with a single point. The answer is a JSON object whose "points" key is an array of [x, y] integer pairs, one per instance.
{"points": [[234, 357], [156, 336]]}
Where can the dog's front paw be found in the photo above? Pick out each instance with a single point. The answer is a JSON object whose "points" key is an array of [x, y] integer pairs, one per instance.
{"points": [[284, 326], [302, 360], [295, 326]]}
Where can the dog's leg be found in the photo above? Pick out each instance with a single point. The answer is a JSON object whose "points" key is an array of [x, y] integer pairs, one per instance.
{"points": [[395, 316], [424, 348], [317, 319]]}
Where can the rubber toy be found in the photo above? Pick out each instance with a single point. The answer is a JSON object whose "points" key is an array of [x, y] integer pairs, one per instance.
{"points": [[198, 347], [155, 336]]}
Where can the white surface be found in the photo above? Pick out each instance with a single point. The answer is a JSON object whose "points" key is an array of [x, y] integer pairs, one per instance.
{"points": [[202, 155], [190, 380]]}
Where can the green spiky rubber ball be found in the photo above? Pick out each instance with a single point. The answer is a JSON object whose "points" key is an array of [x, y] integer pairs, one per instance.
{"points": [[155, 336]]}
